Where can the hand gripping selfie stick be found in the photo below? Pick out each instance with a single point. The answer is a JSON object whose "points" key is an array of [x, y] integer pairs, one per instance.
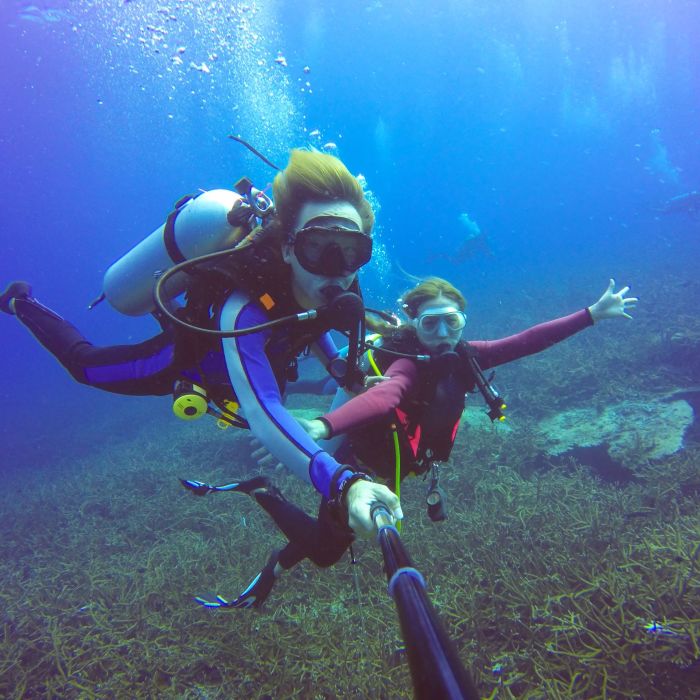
{"points": [[436, 669]]}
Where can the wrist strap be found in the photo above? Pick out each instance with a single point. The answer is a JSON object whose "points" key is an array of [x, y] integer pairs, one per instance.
{"points": [[339, 488]]}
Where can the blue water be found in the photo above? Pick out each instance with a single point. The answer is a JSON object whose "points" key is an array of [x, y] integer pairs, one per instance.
{"points": [[559, 128]]}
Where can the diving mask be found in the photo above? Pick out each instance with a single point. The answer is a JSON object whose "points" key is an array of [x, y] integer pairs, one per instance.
{"points": [[431, 321], [331, 250]]}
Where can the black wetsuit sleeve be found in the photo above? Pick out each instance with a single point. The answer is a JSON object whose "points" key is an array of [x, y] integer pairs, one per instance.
{"points": [[143, 369]]}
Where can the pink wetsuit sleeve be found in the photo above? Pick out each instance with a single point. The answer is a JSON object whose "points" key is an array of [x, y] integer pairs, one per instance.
{"points": [[530, 341], [376, 402]]}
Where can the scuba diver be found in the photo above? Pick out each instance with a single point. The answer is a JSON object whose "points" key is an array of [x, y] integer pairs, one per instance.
{"points": [[407, 419], [262, 283], [688, 202]]}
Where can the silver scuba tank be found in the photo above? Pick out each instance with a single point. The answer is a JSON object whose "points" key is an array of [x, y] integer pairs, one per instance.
{"points": [[197, 226]]}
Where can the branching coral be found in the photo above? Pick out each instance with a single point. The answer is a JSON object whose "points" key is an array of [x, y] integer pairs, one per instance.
{"points": [[552, 583]]}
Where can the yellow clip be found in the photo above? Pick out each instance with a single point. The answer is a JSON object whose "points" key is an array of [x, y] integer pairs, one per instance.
{"points": [[232, 406], [231, 412]]}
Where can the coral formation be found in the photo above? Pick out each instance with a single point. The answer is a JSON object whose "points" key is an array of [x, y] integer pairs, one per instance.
{"points": [[651, 429]]}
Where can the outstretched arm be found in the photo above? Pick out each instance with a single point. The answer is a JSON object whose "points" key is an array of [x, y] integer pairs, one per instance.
{"points": [[256, 387], [544, 335]]}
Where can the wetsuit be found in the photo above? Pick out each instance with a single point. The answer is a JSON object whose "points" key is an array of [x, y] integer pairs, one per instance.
{"points": [[144, 369], [412, 391], [256, 364], [252, 368], [408, 398]]}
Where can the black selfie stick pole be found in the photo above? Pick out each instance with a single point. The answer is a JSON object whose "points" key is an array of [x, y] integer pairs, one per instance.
{"points": [[436, 669]]}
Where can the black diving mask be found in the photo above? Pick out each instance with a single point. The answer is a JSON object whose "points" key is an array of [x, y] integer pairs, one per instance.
{"points": [[331, 251]]}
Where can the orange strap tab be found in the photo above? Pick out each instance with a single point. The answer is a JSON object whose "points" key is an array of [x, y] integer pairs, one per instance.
{"points": [[267, 301]]}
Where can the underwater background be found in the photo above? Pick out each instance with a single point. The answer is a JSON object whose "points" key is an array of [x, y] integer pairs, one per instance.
{"points": [[527, 151]]}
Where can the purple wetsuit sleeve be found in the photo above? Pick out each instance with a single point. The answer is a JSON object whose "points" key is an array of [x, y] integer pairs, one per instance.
{"points": [[530, 341], [375, 403], [258, 393], [325, 349]]}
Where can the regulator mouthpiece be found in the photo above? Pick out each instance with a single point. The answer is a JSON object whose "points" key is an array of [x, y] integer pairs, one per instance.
{"points": [[331, 292]]}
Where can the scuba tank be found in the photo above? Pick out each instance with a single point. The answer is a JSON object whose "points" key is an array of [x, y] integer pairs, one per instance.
{"points": [[198, 225]]}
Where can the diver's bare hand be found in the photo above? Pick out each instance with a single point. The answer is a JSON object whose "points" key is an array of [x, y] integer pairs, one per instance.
{"points": [[612, 304], [369, 382], [317, 429], [361, 496]]}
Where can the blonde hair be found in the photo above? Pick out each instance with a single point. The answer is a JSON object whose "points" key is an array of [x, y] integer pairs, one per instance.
{"points": [[430, 288], [312, 176]]}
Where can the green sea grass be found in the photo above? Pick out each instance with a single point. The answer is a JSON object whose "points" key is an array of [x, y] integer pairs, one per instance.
{"points": [[546, 576]]}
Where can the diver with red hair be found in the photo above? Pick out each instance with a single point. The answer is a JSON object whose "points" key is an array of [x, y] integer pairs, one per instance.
{"points": [[406, 421]]}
